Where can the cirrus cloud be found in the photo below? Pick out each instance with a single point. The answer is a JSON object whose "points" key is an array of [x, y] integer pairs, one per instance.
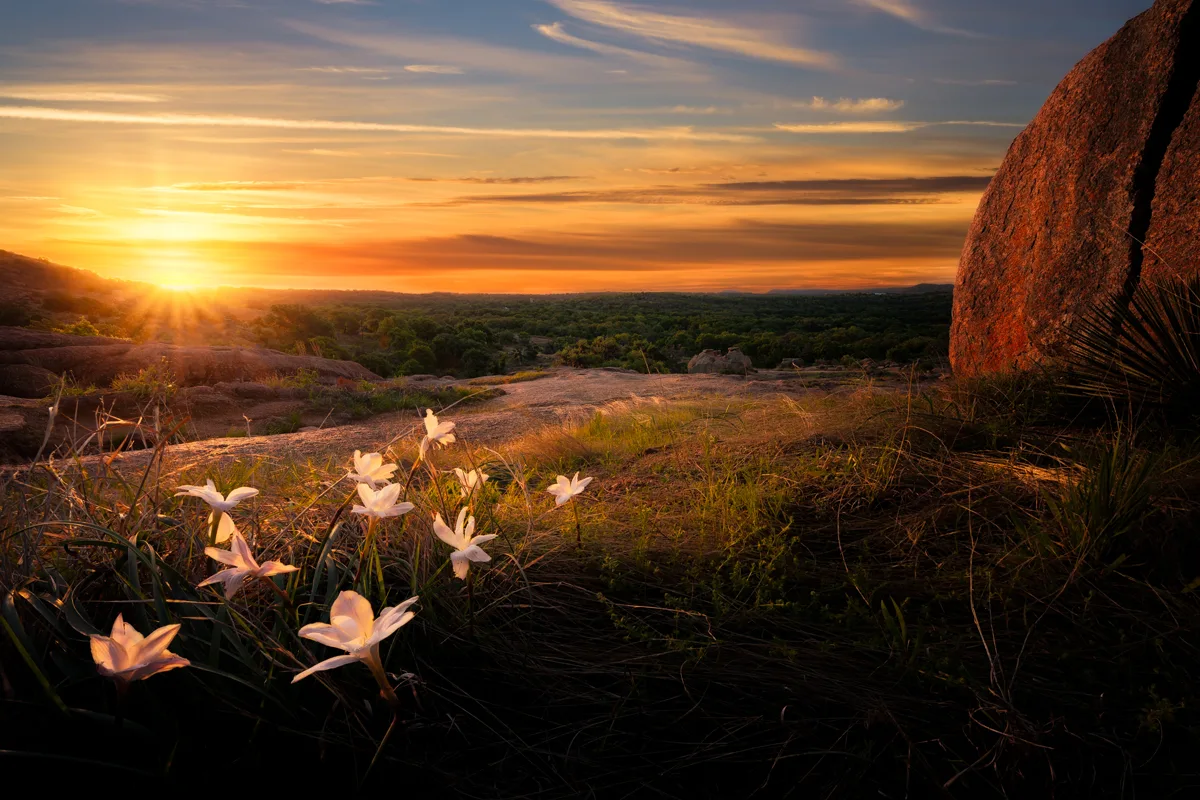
{"points": [[704, 32]]}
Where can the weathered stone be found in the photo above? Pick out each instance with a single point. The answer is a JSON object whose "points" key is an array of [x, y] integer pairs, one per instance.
{"points": [[28, 339], [26, 380], [1110, 158], [99, 364], [711, 361]]}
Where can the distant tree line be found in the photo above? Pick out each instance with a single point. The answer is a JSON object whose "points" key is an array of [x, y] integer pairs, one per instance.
{"points": [[474, 335]]}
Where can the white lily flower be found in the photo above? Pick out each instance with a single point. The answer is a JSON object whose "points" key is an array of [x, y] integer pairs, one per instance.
{"points": [[466, 546], [381, 504], [242, 566], [436, 433], [565, 489], [470, 480], [371, 470], [127, 656], [354, 628], [215, 499]]}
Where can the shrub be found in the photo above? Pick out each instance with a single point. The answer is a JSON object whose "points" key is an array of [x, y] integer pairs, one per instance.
{"points": [[80, 327], [155, 381]]}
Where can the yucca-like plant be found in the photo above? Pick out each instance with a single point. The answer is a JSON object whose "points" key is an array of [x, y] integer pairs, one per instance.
{"points": [[1145, 351]]}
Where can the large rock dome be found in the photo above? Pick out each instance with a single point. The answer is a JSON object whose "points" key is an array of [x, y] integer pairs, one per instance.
{"points": [[1100, 193]]}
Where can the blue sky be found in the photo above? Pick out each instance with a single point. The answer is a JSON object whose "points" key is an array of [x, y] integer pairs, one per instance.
{"points": [[522, 144]]}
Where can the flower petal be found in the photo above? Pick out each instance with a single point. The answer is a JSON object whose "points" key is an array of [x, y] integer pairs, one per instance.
{"points": [[386, 627], [223, 556], [223, 576], [324, 633], [327, 664], [106, 653], [475, 553], [240, 494], [389, 494], [125, 634], [461, 564], [225, 528], [239, 548], [398, 510], [443, 532], [366, 494], [171, 661], [155, 645], [483, 539], [275, 568], [358, 608]]}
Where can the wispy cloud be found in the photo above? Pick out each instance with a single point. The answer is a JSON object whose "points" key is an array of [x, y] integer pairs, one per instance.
{"points": [[233, 121], [77, 94], [345, 70], [862, 105], [883, 127], [235, 186], [833, 192], [556, 32], [470, 54], [510, 181], [436, 69], [918, 18], [695, 31], [961, 82]]}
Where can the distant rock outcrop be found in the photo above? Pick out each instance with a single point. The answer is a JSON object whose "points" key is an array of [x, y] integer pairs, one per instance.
{"points": [[1100, 192], [98, 363], [733, 363]]}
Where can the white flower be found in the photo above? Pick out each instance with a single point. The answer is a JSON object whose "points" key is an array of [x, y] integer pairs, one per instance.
{"points": [[127, 656], [215, 499], [466, 547], [242, 566], [439, 433], [381, 504], [371, 470], [355, 629], [470, 480], [225, 528], [565, 489]]}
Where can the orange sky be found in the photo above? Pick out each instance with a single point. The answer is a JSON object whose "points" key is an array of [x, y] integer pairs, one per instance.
{"points": [[549, 146]]}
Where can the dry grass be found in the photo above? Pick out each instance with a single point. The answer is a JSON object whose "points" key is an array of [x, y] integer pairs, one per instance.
{"points": [[837, 596]]}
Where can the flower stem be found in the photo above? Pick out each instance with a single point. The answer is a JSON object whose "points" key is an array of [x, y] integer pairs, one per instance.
{"points": [[283, 598], [471, 603], [385, 688], [578, 527], [367, 542], [213, 527]]}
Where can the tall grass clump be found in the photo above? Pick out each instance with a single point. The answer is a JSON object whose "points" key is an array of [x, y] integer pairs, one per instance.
{"points": [[1143, 350]]}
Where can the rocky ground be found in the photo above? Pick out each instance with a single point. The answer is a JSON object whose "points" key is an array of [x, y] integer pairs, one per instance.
{"points": [[561, 397]]}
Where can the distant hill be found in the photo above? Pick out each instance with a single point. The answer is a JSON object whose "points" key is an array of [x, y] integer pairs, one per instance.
{"points": [[920, 288], [22, 276]]}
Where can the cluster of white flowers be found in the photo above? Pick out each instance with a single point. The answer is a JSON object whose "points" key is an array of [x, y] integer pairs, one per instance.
{"points": [[126, 656]]}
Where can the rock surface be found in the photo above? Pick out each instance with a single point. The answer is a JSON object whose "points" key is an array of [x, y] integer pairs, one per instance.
{"points": [[26, 380], [98, 363], [711, 361], [1111, 160]]}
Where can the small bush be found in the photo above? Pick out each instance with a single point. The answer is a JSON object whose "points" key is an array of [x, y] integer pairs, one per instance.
{"points": [[155, 381]]}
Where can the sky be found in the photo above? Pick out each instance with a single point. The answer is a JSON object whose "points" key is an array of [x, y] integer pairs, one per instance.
{"points": [[518, 145]]}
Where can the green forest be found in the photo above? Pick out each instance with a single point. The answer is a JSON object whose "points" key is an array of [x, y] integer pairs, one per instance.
{"points": [[474, 335]]}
